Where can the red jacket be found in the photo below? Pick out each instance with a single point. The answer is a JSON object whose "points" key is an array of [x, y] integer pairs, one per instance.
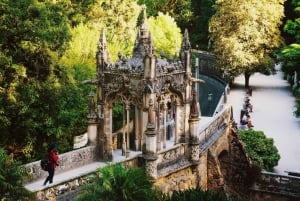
{"points": [[53, 158]]}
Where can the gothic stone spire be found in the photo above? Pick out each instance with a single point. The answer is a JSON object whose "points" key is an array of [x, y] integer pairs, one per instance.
{"points": [[186, 45], [143, 44], [102, 55]]}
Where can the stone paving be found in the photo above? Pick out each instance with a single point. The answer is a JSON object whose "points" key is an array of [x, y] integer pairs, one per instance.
{"points": [[273, 105], [76, 172]]}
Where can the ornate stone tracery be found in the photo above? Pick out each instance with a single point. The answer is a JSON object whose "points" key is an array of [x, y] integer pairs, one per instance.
{"points": [[136, 80]]}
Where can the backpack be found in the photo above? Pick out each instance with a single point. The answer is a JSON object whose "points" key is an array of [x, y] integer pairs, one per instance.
{"points": [[45, 164]]}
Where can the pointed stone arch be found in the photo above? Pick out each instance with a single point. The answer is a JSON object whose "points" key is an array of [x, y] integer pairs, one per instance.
{"points": [[137, 80]]}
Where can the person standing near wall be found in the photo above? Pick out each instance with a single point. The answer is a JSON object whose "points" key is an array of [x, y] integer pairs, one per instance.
{"points": [[53, 158]]}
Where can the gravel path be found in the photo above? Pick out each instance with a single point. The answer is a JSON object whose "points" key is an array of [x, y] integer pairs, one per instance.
{"points": [[273, 106]]}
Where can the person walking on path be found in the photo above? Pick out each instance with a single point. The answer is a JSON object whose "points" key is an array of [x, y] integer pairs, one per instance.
{"points": [[53, 158]]}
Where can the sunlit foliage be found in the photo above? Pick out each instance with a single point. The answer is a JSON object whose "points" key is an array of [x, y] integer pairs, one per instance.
{"points": [[166, 34], [244, 35]]}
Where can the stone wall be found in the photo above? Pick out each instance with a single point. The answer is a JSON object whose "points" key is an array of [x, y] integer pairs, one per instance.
{"points": [[68, 190], [180, 180], [223, 166], [67, 161]]}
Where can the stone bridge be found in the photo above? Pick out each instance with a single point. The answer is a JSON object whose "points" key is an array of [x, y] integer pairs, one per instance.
{"points": [[175, 169]]}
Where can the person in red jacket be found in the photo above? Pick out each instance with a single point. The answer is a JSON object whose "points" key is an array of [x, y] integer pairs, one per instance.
{"points": [[53, 158]]}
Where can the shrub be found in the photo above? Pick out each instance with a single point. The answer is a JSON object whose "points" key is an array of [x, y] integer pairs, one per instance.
{"points": [[261, 149]]}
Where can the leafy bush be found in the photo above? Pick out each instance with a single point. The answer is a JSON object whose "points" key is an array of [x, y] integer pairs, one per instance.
{"points": [[11, 179], [115, 182], [260, 149]]}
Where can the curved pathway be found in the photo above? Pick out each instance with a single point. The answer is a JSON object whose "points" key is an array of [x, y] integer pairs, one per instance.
{"points": [[273, 105]]}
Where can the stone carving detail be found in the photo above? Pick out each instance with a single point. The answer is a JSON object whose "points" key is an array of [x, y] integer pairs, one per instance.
{"points": [[195, 152], [171, 155], [151, 168], [151, 114], [194, 111]]}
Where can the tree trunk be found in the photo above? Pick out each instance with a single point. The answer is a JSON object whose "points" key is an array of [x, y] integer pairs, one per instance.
{"points": [[247, 78]]}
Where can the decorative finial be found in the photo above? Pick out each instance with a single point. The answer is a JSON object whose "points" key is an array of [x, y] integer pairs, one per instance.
{"points": [[102, 54], [186, 45], [144, 25]]}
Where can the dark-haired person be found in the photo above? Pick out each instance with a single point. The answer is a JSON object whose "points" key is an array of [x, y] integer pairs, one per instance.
{"points": [[53, 158]]}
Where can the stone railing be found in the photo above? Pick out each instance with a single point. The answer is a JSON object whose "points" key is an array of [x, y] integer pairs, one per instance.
{"points": [[220, 121], [278, 184], [67, 161], [172, 159], [69, 189], [177, 157]]}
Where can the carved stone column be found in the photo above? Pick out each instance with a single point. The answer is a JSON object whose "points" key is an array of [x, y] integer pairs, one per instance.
{"points": [[164, 136], [92, 129], [158, 126], [123, 134], [92, 121], [137, 123], [193, 129], [108, 154], [150, 154], [177, 110], [128, 129]]}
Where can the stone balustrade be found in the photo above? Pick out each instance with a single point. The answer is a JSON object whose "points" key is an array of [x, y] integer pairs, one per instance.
{"points": [[278, 183], [67, 161], [220, 121]]}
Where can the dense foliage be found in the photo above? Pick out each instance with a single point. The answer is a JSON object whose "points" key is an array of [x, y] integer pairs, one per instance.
{"points": [[166, 34], [37, 95], [245, 35], [114, 182], [290, 54], [11, 179], [189, 14], [261, 149]]}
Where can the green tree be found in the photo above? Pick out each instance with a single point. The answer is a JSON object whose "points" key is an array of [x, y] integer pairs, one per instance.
{"points": [[11, 179], [115, 182], [188, 14], [76, 10], [245, 34], [118, 18], [31, 31], [261, 149], [290, 54], [40, 99], [166, 34], [156, 6]]}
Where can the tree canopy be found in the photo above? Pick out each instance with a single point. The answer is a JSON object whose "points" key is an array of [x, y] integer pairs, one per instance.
{"points": [[188, 14], [244, 35], [290, 54], [166, 34]]}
